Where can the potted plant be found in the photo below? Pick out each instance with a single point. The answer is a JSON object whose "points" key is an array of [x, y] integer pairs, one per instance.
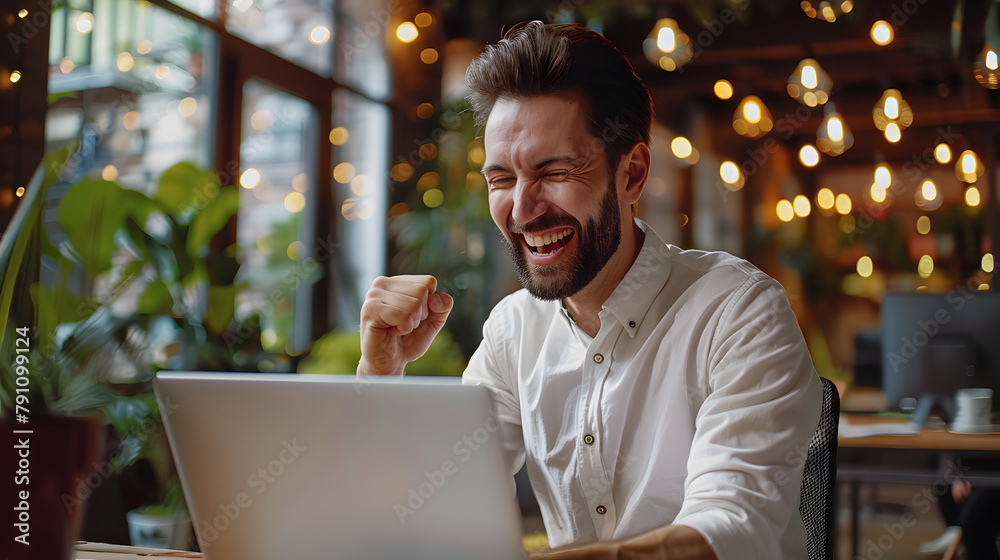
{"points": [[49, 397], [168, 300], [132, 288]]}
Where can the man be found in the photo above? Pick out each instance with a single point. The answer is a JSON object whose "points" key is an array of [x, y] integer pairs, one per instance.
{"points": [[663, 399]]}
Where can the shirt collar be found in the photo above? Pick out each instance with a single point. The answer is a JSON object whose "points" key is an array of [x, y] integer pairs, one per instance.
{"points": [[634, 295]]}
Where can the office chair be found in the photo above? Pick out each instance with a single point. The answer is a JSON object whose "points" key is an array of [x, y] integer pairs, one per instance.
{"points": [[819, 479]]}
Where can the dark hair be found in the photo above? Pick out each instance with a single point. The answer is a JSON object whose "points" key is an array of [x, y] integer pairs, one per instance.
{"points": [[538, 59]]}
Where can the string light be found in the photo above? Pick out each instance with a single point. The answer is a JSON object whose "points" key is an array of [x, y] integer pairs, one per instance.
{"points": [[882, 33], [833, 137], [85, 22], [319, 35], [972, 196], [942, 153], [843, 204], [250, 178], [15, 76], [892, 114], [825, 199], [428, 56], [723, 89], [809, 84], [808, 155], [785, 210], [985, 68], [865, 266], [423, 19], [969, 168], [923, 225], [667, 46], [407, 32], [827, 10], [752, 118], [681, 147], [801, 206]]}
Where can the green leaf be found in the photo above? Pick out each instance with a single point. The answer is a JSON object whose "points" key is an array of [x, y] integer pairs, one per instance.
{"points": [[210, 221], [221, 304], [155, 299], [92, 212], [183, 188]]}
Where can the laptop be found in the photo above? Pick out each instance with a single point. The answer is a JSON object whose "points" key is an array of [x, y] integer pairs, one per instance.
{"points": [[327, 466]]}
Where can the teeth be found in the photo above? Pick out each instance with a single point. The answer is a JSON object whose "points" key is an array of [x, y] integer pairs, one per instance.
{"points": [[536, 241]]}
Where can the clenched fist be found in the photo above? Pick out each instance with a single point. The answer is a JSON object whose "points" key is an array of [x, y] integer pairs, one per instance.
{"points": [[399, 319]]}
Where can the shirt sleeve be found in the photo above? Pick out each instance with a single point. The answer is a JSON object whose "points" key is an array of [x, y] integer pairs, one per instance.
{"points": [[490, 366], [753, 430]]}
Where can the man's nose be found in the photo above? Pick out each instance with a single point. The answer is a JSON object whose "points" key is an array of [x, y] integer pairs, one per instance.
{"points": [[529, 202]]}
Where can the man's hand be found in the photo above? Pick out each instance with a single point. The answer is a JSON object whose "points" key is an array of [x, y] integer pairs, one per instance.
{"points": [[672, 542], [399, 319]]}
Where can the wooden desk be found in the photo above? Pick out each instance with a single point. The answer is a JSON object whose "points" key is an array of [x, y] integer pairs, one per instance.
{"points": [[99, 551], [907, 459]]}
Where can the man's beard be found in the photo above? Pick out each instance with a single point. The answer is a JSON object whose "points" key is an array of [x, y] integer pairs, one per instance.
{"points": [[595, 246]]}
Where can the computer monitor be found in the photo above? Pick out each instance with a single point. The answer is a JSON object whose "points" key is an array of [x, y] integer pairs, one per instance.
{"points": [[935, 344]]}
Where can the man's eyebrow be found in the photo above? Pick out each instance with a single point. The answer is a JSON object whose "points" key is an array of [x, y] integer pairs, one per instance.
{"points": [[559, 159], [492, 167]]}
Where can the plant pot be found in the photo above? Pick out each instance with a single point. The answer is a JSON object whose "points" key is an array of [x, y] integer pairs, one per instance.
{"points": [[48, 475], [159, 531]]}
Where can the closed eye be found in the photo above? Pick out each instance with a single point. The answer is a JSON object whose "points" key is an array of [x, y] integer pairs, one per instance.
{"points": [[557, 175], [500, 182]]}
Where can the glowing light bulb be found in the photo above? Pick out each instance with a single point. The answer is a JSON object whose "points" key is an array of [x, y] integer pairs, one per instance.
{"points": [[681, 147], [843, 204], [319, 35], [883, 177], [928, 190], [892, 132], [407, 32], [923, 225], [968, 163], [751, 112], [809, 155], [991, 60], [942, 153], [882, 33], [801, 206], [865, 266], [925, 267], [729, 172], [809, 80], [891, 108], [723, 89], [785, 211], [250, 178], [878, 193], [666, 41], [835, 129], [825, 198], [972, 196]]}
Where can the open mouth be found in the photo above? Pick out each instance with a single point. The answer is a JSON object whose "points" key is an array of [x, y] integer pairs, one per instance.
{"points": [[548, 243]]}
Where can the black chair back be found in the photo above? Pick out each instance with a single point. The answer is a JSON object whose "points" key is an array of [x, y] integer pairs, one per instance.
{"points": [[819, 479]]}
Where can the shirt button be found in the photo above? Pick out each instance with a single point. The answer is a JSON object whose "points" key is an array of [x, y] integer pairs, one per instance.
{"points": [[631, 324], [588, 439], [598, 358], [602, 510]]}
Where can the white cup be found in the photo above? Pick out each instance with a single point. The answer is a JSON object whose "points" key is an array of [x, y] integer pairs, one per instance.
{"points": [[973, 408]]}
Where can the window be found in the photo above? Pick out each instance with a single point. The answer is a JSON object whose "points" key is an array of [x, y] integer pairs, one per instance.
{"points": [[244, 87]]}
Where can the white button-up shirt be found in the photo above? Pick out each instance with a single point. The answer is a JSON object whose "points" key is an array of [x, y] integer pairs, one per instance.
{"points": [[693, 405]]}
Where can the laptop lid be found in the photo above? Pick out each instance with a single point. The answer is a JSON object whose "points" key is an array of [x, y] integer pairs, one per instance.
{"points": [[317, 466]]}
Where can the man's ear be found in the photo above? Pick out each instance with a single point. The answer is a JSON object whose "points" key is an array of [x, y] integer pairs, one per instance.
{"points": [[633, 172]]}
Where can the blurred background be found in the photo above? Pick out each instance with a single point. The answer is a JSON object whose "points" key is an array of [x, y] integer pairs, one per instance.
{"points": [[848, 149]]}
